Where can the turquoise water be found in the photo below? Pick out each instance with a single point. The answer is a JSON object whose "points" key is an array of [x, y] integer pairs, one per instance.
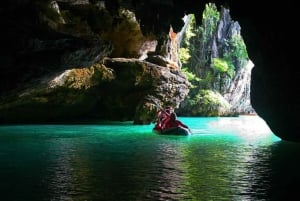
{"points": [[234, 158]]}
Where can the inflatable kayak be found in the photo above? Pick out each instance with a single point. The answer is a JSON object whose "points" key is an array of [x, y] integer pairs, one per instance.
{"points": [[173, 131]]}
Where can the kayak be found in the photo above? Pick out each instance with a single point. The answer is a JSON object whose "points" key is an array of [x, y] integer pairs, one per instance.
{"points": [[174, 131]]}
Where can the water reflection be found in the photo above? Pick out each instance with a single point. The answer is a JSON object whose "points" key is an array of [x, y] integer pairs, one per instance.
{"points": [[167, 176], [132, 164], [285, 174], [67, 173]]}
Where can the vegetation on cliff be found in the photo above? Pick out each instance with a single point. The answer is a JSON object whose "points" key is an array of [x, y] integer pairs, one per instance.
{"points": [[212, 55]]}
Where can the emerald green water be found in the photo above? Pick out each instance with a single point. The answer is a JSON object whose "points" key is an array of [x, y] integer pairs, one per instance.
{"points": [[236, 158]]}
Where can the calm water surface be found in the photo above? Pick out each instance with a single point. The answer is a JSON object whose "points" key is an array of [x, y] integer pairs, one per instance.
{"points": [[224, 159]]}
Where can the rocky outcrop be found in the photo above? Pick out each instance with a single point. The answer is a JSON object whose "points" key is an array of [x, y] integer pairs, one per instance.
{"points": [[236, 88], [117, 89], [71, 71]]}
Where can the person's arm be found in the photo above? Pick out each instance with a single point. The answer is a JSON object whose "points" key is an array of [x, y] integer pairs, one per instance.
{"points": [[165, 122]]}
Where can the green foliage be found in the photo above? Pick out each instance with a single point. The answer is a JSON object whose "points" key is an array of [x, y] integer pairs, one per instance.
{"points": [[184, 55], [190, 76], [207, 80], [210, 19], [190, 32], [231, 70], [211, 12], [238, 46], [222, 65], [184, 51], [208, 103]]}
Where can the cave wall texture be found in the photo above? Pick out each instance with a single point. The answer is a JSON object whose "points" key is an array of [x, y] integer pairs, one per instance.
{"points": [[268, 29]]}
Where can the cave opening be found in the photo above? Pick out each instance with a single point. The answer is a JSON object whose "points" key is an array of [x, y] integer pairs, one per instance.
{"points": [[214, 57]]}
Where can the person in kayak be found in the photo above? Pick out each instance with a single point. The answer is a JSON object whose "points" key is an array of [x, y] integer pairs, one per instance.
{"points": [[173, 122], [163, 116]]}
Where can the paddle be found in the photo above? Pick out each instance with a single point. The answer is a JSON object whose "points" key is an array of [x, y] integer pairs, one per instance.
{"points": [[152, 99]]}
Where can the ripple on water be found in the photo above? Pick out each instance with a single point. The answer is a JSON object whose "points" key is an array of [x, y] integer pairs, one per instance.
{"points": [[125, 162]]}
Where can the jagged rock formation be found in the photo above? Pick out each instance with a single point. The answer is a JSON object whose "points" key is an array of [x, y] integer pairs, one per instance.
{"points": [[235, 90], [272, 90], [219, 59], [117, 89], [238, 92], [72, 73]]}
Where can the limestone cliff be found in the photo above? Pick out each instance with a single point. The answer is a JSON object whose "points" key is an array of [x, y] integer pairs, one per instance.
{"points": [[218, 58], [84, 62]]}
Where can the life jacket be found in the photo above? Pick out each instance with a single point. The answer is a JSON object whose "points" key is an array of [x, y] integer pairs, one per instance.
{"points": [[162, 119], [171, 124]]}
